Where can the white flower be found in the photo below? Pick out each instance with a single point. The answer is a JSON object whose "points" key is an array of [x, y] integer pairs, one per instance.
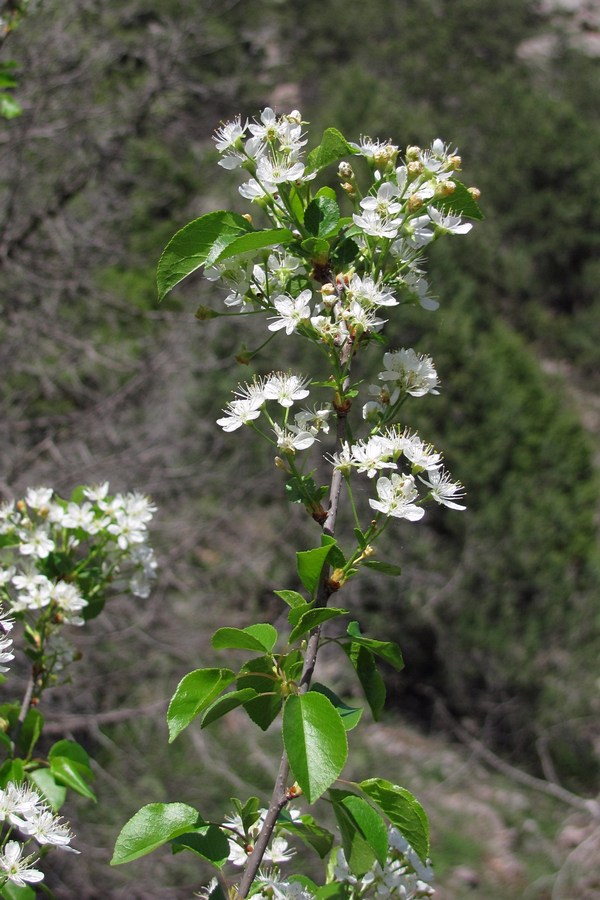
{"points": [[372, 456], [291, 439], [285, 388], [314, 420], [396, 496], [238, 413], [83, 517], [97, 491], [252, 190], [38, 498], [279, 171], [447, 222], [6, 654], [18, 803], [371, 222], [228, 135], [127, 529], [409, 371], [368, 292], [17, 868], [419, 231], [443, 490], [69, 600], [291, 311], [47, 828], [36, 543], [385, 202]]}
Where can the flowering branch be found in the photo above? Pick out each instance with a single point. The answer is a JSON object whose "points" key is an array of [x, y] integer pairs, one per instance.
{"points": [[324, 272]]}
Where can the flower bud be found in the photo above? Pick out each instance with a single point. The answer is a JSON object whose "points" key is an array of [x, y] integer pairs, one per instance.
{"points": [[474, 192], [445, 189], [414, 203], [248, 217], [205, 312], [349, 189], [455, 162], [345, 170], [413, 153], [414, 168]]}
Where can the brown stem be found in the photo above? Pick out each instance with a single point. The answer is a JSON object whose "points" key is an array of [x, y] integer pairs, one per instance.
{"points": [[281, 795]]}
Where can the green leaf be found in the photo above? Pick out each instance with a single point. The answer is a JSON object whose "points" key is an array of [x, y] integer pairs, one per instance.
{"points": [[222, 705], [313, 617], [208, 842], [322, 217], [72, 775], [310, 565], [199, 243], [387, 650], [195, 692], [292, 598], [383, 567], [320, 839], [332, 148], [255, 240], [315, 742], [336, 557], [9, 108], [45, 782], [261, 637], [403, 810], [11, 770], [371, 681], [317, 248], [30, 731], [332, 892], [151, 827], [363, 830], [460, 202], [258, 675], [360, 538], [12, 891], [248, 813], [73, 751], [350, 715]]}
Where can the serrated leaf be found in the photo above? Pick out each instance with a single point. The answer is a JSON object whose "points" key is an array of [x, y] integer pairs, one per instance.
{"points": [[317, 248], [199, 243], [292, 598], [73, 751], [360, 538], [11, 770], [261, 637], [209, 843], [310, 565], [332, 148], [322, 217], [255, 240], [151, 827], [460, 202], [371, 681], [223, 705], [315, 742], [350, 715], [195, 692], [403, 810], [313, 617], [336, 558], [385, 568], [363, 830], [387, 650]]}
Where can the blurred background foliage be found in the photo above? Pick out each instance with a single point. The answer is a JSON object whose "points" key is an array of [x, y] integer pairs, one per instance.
{"points": [[497, 610]]}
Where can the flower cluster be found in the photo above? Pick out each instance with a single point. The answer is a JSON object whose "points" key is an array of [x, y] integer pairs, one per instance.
{"points": [[285, 389], [403, 876], [52, 547], [241, 841], [22, 808]]}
